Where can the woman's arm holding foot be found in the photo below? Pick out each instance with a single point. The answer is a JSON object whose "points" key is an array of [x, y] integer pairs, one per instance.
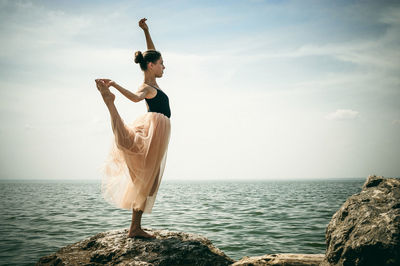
{"points": [[134, 97]]}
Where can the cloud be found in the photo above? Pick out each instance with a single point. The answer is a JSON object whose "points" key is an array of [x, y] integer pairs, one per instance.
{"points": [[342, 114]]}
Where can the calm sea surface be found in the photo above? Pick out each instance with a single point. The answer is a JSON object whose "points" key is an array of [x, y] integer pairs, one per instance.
{"points": [[241, 218]]}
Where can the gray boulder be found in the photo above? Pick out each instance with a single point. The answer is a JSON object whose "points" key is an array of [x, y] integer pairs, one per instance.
{"points": [[115, 248], [366, 229]]}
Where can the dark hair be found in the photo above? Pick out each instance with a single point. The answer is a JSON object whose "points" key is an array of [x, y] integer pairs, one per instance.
{"points": [[146, 57]]}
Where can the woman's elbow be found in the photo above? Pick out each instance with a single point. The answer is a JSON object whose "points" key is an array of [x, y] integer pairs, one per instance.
{"points": [[137, 99], [134, 99]]}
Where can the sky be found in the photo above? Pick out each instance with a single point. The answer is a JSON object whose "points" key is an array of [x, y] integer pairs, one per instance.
{"points": [[258, 89]]}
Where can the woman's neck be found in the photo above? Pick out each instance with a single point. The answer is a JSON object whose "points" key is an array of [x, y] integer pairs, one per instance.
{"points": [[150, 79], [150, 82]]}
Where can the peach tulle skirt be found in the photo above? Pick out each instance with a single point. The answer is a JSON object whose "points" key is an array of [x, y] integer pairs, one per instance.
{"points": [[133, 170]]}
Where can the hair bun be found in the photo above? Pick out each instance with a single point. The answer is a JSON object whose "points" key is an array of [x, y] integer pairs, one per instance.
{"points": [[138, 57]]}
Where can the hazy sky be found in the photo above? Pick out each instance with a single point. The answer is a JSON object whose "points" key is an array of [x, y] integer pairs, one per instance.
{"points": [[258, 89]]}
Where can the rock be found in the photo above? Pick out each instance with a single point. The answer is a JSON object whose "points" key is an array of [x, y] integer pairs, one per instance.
{"points": [[366, 229], [282, 260], [115, 248]]}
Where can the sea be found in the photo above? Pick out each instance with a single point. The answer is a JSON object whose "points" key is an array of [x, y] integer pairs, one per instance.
{"points": [[241, 218]]}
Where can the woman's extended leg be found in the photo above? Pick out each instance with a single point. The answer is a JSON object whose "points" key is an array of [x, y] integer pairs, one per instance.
{"points": [[122, 135], [136, 230]]}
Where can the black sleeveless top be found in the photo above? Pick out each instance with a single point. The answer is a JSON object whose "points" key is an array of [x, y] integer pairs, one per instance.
{"points": [[159, 103]]}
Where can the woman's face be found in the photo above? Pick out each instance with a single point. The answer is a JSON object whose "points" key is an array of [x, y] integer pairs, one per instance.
{"points": [[158, 68]]}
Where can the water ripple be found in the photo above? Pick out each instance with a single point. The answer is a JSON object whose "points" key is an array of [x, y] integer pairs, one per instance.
{"points": [[241, 218]]}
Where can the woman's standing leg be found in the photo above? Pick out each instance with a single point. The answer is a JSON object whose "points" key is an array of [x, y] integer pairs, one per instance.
{"points": [[136, 229]]}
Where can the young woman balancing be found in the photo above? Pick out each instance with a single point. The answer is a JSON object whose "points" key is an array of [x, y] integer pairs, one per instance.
{"points": [[133, 171]]}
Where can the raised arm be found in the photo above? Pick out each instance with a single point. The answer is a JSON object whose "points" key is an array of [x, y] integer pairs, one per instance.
{"points": [[134, 97], [149, 42]]}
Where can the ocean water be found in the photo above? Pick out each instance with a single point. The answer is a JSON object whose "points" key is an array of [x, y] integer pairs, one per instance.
{"points": [[242, 218]]}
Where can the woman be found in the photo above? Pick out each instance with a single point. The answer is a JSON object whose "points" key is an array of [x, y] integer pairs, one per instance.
{"points": [[133, 171]]}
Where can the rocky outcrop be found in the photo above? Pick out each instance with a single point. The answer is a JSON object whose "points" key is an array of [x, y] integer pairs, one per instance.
{"points": [[366, 229], [169, 248], [115, 248], [282, 260]]}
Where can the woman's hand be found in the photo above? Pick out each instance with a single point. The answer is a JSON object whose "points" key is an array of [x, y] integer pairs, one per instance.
{"points": [[108, 97], [142, 24], [109, 82]]}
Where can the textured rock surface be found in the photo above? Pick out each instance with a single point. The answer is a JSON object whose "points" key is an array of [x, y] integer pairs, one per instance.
{"points": [[115, 248], [282, 259], [366, 229]]}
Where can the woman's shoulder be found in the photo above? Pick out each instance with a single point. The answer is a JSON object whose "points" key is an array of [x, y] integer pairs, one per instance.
{"points": [[151, 92]]}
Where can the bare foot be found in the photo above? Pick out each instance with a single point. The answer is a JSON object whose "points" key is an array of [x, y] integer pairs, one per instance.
{"points": [[140, 234], [107, 95]]}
